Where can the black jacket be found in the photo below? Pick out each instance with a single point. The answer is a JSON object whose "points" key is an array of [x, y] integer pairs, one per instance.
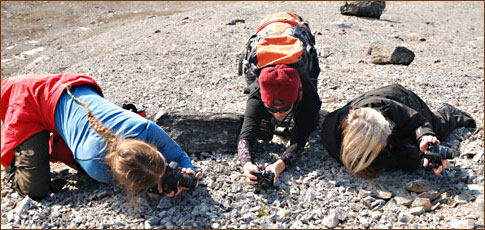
{"points": [[306, 114], [410, 119]]}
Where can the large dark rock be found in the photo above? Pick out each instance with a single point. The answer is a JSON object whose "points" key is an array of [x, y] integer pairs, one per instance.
{"points": [[205, 132], [402, 56], [202, 132], [371, 9], [386, 54]]}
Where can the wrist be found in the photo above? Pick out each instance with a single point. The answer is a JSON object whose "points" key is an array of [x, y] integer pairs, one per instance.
{"points": [[280, 165], [247, 164], [290, 158]]}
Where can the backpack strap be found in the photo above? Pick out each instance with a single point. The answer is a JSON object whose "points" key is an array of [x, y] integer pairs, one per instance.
{"points": [[242, 61], [300, 24], [300, 97], [300, 92], [244, 57], [305, 31], [293, 23]]}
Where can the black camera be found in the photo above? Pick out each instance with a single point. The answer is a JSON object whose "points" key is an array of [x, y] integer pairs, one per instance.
{"points": [[284, 131], [267, 128], [174, 178], [284, 127], [265, 179], [435, 153]]}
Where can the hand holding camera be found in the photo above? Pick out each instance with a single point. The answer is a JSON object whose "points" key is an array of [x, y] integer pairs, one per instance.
{"points": [[175, 180], [265, 179], [436, 153], [436, 157], [249, 170]]}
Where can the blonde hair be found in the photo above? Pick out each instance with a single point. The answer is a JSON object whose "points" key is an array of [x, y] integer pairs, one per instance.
{"points": [[135, 164], [365, 133]]}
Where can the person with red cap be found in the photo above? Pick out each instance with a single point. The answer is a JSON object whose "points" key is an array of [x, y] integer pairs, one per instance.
{"points": [[279, 93]]}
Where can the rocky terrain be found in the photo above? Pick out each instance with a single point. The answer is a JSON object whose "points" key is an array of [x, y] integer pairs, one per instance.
{"points": [[182, 56]]}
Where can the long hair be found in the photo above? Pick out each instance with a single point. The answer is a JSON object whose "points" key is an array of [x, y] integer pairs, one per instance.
{"points": [[135, 164], [365, 133]]}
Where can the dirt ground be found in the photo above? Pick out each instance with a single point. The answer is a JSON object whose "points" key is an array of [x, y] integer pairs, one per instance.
{"points": [[53, 23], [182, 56]]}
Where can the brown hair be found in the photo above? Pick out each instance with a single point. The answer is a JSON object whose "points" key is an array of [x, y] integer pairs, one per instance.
{"points": [[365, 132], [135, 164]]}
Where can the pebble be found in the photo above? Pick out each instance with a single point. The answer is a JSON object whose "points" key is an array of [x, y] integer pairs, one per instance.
{"points": [[383, 195], [416, 210], [418, 186], [431, 195], [405, 218], [422, 202], [164, 203], [369, 202], [356, 207], [463, 224], [24, 205], [331, 221], [341, 214]]}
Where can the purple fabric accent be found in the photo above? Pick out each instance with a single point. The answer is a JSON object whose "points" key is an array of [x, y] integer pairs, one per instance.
{"points": [[292, 157], [243, 152]]}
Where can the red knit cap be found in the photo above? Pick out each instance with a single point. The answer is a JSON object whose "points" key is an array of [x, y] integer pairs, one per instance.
{"points": [[279, 85]]}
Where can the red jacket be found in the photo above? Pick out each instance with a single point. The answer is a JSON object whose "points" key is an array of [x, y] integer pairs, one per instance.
{"points": [[28, 106]]}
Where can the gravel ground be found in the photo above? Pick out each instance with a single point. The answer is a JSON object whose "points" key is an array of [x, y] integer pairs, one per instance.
{"points": [[182, 56]]}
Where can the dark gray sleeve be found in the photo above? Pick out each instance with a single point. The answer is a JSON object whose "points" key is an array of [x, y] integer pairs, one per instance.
{"points": [[306, 117], [252, 118]]}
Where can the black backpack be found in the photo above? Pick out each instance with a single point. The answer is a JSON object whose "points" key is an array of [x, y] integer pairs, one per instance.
{"points": [[281, 38]]}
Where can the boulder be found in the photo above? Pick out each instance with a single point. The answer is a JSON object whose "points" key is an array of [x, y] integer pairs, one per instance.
{"points": [[202, 132], [371, 9], [385, 54]]}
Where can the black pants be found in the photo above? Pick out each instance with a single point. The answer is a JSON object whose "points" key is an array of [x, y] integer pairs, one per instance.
{"points": [[448, 118], [31, 166]]}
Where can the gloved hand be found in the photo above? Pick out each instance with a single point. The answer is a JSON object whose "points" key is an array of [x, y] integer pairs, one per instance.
{"points": [[292, 154]]}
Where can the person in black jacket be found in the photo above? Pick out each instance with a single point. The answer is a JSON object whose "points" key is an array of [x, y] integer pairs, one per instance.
{"points": [[279, 92], [388, 128]]}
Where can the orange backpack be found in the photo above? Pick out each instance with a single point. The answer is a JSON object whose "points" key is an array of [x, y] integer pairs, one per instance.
{"points": [[281, 38]]}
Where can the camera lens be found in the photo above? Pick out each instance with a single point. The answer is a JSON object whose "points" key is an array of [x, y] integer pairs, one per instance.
{"points": [[265, 183], [189, 181], [445, 152]]}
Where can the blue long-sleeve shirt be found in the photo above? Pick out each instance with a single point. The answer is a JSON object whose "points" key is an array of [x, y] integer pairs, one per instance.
{"points": [[89, 148]]}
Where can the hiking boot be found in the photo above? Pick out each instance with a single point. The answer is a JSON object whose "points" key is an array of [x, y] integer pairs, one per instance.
{"points": [[462, 119], [57, 185]]}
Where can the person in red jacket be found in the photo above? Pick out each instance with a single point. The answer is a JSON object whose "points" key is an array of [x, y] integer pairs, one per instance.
{"points": [[64, 117]]}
